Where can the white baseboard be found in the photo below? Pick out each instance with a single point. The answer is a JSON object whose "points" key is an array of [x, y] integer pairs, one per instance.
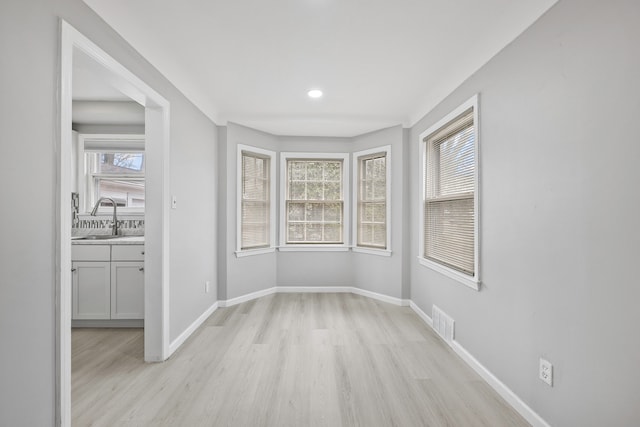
{"points": [[191, 329], [312, 289], [421, 313], [505, 392], [380, 297], [246, 297], [512, 399]]}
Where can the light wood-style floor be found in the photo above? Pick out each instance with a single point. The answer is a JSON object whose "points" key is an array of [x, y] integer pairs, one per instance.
{"points": [[285, 360]]}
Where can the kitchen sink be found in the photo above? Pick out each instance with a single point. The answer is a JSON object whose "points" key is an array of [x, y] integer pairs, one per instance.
{"points": [[99, 237]]}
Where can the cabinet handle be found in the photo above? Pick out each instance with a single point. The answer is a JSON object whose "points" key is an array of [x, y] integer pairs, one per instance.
{"points": [[142, 252], [73, 269], [141, 269]]}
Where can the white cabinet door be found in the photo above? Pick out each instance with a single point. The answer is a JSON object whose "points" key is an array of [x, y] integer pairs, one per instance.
{"points": [[127, 290], [91, 290]]}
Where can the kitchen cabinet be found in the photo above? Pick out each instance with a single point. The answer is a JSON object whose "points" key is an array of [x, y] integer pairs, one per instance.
{"points": [[108, 282], [91, 290]]}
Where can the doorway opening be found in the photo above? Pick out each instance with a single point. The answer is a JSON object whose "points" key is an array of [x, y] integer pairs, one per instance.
{"points": [[156, 212]]}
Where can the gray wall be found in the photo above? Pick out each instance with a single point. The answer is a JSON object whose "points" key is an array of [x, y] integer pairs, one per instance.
{"points": [[314, 268], [259, 272], [558, 203], [29, 45], [376, 273], [250, 273], [108, 129]]}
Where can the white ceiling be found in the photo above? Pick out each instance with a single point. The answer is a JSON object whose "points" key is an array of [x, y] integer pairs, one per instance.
{"points": [[379, 62], [90, 82], [96, 100]]}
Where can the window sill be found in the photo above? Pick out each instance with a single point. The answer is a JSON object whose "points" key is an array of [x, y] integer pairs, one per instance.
{"points": [[250, 252], [371, 251], [314, 248], [470, 282]]}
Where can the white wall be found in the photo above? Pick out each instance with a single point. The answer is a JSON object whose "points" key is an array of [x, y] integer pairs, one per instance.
{"points": [[558, 204], [29, 41]]}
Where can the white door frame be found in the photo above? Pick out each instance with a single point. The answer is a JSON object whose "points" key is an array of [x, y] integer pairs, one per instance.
{"points": [[156, 286]]}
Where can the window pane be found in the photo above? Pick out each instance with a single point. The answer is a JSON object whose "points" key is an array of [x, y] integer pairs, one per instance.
{"points": [[333, 171], [314, 212], [126, 193], [379, 212], [368, 209], [297, 191], [296, 212], [314, 191], [450, 233], [449, 208], [332, 232], [332, 212], [314, 181], [296, 232], [297, 171], [314, 171], [314, 232], [255, 219], [332, 191], [372, 201], [120, 163]]}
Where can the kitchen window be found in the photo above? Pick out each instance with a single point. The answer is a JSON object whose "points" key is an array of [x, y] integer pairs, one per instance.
{"points": [[114, 167], [449, 211], [371, 201], [314, 192], [256, 185]]}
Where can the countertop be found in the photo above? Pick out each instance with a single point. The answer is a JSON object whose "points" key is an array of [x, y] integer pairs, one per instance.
{"points": [[123, 240]]}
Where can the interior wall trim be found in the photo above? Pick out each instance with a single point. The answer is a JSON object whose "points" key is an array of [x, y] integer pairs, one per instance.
{"points": [[505, 392], [175, 344], [313, 289]]}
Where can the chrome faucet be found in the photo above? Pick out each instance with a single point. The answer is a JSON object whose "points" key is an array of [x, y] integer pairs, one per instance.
{"points": [[114, 230]]}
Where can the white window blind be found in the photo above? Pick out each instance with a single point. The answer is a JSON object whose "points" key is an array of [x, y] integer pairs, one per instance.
{"points": [[449, 211], [314, 201], [255, 203], [372, 201]]}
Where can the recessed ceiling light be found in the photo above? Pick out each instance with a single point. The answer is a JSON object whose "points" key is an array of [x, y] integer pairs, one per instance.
{"points": [[314, 93]]}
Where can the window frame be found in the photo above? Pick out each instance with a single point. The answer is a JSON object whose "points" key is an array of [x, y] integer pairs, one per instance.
{"points": [[271, 155], [357, 157], [101, 143], [472, 282], [315, 247]]}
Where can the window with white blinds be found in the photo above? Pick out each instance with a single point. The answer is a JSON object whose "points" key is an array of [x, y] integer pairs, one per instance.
{"points": [[255, 192], [449, 209], [314, 199], [372, 201]]}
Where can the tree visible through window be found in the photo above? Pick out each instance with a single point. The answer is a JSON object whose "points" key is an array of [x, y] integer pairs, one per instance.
{"points": [[314, 201], [117, 175]]}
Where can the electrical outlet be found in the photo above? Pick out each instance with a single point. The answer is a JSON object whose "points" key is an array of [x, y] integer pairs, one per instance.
{"points": [[207, 286], [546, 371]]}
